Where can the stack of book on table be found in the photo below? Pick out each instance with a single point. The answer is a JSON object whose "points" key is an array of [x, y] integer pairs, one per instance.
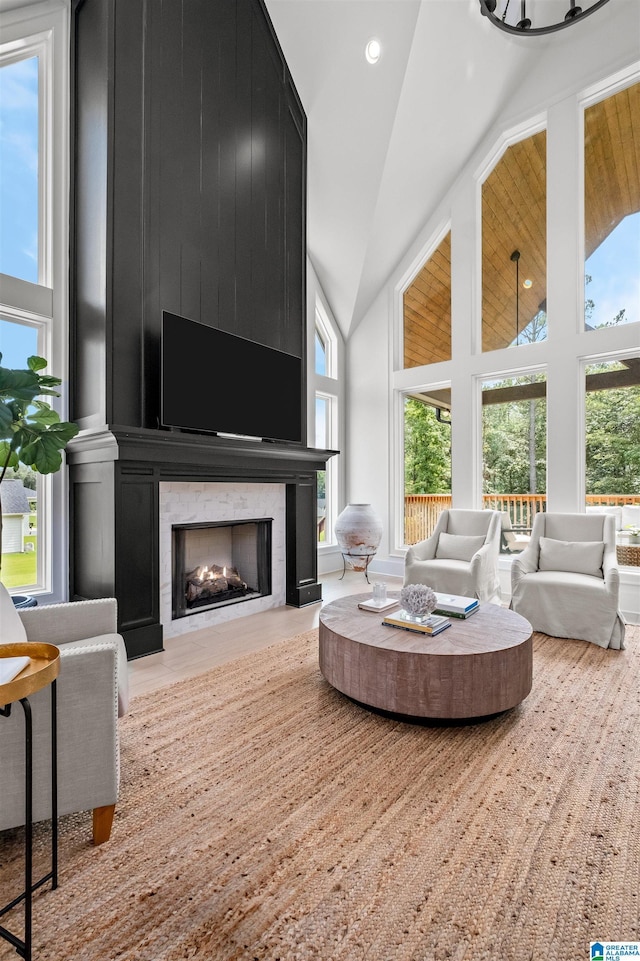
{"points": [[454, 605], [432, 624]]}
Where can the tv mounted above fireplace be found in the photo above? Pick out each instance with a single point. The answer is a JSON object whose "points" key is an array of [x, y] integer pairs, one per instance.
{"points": [[216, 382]]}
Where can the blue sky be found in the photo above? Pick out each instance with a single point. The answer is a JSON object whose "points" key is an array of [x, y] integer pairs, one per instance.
{"points": [[615, 269], [321, 439], [17, 342], [19, 169]]}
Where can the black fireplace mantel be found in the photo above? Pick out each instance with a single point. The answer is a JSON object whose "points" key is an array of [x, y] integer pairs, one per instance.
{"points": [[115, 473], [173, 449]]}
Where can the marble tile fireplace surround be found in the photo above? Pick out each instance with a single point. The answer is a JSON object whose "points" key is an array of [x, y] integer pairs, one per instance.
{"points": [[186, 503]]}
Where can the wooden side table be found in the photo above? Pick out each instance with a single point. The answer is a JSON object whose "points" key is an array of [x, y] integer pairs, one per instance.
{"points": [[42, 670]]}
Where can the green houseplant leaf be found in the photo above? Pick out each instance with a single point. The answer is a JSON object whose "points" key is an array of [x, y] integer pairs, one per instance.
{"points": [[31, 432], [36, 363]]}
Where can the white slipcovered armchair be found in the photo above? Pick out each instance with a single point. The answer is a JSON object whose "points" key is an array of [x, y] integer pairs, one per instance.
{"points": [[460, 557], [566, 582], [92, 691]]}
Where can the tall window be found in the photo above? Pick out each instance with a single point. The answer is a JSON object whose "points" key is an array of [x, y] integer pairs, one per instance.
{"points": [[612, 210], [320, 354], [326, 421], [20, 488], [323, 431], [20, 257], [514, 246], [34, 269], [514, 446], [612, 431], [19, 168], [427, 462], [427, 310], [528, 453]]}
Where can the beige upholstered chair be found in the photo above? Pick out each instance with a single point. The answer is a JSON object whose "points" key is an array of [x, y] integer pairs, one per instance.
{"points": [[460, 557], [566, 582], [92, 691]]}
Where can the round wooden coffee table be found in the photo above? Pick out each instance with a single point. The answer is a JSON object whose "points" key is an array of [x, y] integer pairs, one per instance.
{"points": [[477, 667]]}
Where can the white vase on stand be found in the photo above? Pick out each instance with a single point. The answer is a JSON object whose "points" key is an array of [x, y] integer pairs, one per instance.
{"points": [[358, 531]]}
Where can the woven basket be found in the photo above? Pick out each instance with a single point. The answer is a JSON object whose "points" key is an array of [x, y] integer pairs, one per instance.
{"points": [[629, 555]]}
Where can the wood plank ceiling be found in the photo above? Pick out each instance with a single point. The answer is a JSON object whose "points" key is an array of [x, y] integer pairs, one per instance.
{"points": [[427, 310], [514, 218]]}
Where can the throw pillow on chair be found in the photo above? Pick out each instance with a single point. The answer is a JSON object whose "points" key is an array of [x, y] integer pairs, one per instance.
{"points": [[458, 547]]}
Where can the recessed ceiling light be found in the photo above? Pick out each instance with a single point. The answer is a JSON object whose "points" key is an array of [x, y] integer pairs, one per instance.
{"points": [[373, 50], [527, 284]]}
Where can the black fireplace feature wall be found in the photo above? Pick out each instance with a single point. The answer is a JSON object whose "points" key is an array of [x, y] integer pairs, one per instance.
{"points": [[170, 211], [167, 214], [218, 563]]}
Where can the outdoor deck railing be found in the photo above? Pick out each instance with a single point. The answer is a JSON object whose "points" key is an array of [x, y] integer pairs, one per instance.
{"points": [[421, 511]]}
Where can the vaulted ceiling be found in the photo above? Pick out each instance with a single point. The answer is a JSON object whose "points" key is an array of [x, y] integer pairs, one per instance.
{"points": [[386, 142]]}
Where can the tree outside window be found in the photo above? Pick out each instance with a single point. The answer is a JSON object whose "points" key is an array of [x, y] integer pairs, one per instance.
{"points": [[514, 446], [612, 428], [427, 466]]}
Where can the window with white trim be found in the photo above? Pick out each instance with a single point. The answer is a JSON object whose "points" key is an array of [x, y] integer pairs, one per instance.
{"points": [[612, 436], [326, 342], [326, 421], [514, 446], [34, 211], [611, 211], [555, 429]]}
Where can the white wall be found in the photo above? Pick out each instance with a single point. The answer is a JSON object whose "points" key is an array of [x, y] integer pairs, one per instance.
{"points": [[607, 47], [368, 438]]}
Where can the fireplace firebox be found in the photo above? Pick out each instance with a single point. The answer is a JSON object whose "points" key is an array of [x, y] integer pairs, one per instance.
{"points": [[218, 563]]}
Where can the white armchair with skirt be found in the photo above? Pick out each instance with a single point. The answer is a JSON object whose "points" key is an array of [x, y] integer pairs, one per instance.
{"points": [[92, 692], [566, 582], [460, 557]]}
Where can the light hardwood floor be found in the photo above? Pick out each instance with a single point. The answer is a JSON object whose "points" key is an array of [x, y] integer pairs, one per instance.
{"points": [[196, 652]]}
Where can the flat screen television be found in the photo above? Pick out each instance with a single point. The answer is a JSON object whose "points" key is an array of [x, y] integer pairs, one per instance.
{"points": [[216, 382]]}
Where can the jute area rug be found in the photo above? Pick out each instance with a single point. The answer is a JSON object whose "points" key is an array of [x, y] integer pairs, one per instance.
{"points": [[265, 816]]}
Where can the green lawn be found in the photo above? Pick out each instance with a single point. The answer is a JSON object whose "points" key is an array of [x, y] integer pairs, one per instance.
{"points": [[19, 570]]}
